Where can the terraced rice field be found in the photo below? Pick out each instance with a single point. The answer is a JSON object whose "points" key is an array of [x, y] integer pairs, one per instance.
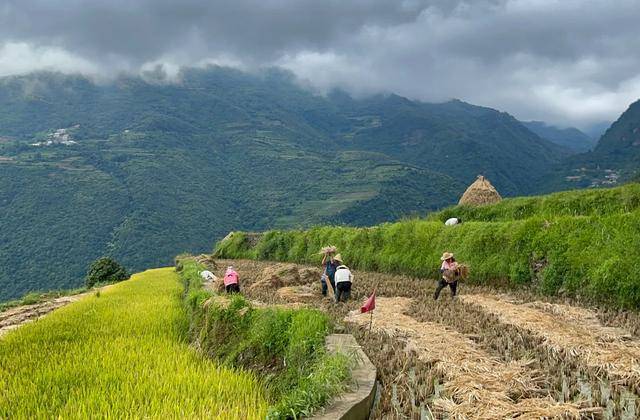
{"points": [[120, 354], [484, 355]]}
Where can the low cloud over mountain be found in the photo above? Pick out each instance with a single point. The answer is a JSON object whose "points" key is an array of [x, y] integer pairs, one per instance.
{"points": [[565, 62]]}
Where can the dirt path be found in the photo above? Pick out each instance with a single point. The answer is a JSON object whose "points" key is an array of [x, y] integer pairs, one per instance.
{"points": [[20, 315]]}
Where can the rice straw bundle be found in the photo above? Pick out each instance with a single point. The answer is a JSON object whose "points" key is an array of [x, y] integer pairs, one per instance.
{"points": [[463, 271], [460, 273], [450, 275], [328, 250], [479, 193]]}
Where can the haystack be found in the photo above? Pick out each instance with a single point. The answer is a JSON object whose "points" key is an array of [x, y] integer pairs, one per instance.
{"points": [[281, 275], [479, 193], [297, 294]]}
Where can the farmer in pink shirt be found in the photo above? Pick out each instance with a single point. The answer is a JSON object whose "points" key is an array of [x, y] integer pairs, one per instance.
{"points": [[231, 279], [449, 277]]}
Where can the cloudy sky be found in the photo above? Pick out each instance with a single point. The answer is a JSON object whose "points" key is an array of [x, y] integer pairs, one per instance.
{"points": [[563, 61]]}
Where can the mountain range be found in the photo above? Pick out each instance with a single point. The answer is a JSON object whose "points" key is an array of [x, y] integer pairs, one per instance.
{"points": [[142, 168], [573, 139]]}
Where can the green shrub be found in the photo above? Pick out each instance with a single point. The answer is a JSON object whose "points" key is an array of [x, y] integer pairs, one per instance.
{"points": [[105, 270]]}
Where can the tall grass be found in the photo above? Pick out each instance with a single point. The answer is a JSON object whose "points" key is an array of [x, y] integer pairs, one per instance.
{"points": [[286, 347], [592, 256], [120, 355], [592, 202]]}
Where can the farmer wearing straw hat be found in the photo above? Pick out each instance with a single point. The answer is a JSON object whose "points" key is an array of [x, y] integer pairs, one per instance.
{"points": [[448, 269], [330, 265]]}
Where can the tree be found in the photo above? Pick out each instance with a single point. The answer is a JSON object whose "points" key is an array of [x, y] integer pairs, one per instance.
{"points": [[105, 270]]}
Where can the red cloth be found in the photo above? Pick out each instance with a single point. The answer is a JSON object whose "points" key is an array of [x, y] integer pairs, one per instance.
{"points": [[370, 304]]}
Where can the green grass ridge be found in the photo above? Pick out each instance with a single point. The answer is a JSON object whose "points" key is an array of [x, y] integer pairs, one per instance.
{"points": [[286, 347], [583, 243]]}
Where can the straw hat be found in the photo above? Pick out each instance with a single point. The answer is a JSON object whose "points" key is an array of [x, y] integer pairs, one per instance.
{"points": [[338, 257], [446, 256]]}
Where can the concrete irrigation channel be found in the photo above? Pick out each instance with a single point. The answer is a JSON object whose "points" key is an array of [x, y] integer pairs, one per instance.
{"points": [[483, 355]]}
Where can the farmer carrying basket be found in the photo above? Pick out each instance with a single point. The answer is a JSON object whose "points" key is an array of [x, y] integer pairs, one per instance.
{"points": [[450, 272]]}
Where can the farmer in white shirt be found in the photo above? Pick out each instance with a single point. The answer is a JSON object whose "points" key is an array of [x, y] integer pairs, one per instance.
{"points": [[343, 278], [207, 275]]}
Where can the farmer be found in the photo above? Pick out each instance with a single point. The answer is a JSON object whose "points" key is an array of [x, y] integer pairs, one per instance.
{"points": [[231, 280], [343, 279], [207, 275], [453, 221], [330, 265], [448, 270]]}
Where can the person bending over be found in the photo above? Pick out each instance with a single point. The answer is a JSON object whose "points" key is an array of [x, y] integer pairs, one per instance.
{"points": [[343, 279], [231, 281]]}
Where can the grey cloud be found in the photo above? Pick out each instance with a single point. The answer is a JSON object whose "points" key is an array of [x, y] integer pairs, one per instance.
{"points": [[568, 62], [142, 30]]}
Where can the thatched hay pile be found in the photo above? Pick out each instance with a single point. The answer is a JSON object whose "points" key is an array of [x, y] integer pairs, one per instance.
{"points": [[300, 294], [479, 193], [281, 275]]}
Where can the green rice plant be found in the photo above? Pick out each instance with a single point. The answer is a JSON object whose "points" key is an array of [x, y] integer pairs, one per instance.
{"points": [[589, 252], [122, 355], [588, 202], [325, 381]]}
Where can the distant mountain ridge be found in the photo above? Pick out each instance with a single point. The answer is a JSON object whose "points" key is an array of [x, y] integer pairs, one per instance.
{"points": [[152, 168], [573, 139]]}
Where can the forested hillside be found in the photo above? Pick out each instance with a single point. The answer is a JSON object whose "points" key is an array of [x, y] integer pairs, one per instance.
{"points": [[144, 168], [614, 160]]}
